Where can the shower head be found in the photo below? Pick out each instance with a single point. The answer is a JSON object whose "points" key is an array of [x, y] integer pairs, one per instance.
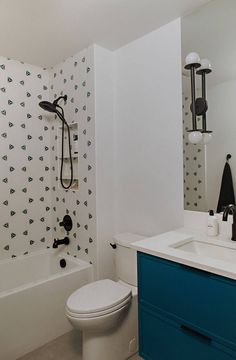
{"points": [[47, 106], [58, 110], [52, 107]]}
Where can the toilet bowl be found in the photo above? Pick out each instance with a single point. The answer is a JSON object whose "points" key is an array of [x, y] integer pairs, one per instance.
{"points": [[106, 311]]}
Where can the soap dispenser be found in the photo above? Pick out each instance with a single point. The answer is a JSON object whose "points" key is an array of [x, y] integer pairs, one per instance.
{"points": [[212, 224]]}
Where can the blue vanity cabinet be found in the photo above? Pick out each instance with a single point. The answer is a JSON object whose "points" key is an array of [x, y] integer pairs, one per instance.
{"points": [[184, 313]]}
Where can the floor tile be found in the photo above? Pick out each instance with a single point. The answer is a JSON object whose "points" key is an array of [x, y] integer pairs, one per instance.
{"points": [[66, 347]]}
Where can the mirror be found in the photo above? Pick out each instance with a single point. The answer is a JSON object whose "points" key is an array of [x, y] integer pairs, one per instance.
{"points": [[211, 32]]}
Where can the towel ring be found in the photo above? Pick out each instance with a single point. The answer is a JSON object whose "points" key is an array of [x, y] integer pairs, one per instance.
{"points": [[228, 157]]}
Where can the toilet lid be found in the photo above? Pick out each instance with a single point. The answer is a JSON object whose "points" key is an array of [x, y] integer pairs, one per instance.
{"points": [[98, 296]]}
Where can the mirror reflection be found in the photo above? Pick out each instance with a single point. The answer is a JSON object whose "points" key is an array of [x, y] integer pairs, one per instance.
{"points": [[210, 169]]}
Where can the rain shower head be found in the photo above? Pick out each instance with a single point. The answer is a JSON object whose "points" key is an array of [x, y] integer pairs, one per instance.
{"points": [[48, 106], [52, 107]]}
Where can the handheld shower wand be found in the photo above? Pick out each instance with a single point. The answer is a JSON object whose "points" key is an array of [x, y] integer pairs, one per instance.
{"points": [[54, 108]]}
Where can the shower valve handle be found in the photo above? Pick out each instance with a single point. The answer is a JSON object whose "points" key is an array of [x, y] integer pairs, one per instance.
{"points": [[66, 223]]}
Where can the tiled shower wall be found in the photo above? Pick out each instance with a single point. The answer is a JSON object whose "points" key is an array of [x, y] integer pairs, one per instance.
{"points": [[194, 160], [74, 77], [32, 202], [25, 200]]}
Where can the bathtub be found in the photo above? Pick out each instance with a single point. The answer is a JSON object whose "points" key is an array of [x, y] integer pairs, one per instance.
{"points": [[33, 292]]}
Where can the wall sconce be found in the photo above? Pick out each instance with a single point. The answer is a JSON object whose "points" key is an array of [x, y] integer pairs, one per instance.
{"points": [[198, 106]]}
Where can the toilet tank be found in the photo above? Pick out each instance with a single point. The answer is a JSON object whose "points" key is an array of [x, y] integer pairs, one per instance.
{"points": [[126, 257]]}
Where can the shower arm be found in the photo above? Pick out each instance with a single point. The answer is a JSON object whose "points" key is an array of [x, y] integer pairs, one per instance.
{"points": [[55, 102]]}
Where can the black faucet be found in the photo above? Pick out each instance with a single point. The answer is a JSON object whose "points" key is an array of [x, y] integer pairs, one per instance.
{"points": [[57, 242], [231, 209]]}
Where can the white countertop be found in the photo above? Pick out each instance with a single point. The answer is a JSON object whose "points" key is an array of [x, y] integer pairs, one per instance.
{"points": [[160, 246]]}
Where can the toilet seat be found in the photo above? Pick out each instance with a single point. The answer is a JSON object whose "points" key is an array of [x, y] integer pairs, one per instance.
{"points": [[97, 299], [99, 313]]}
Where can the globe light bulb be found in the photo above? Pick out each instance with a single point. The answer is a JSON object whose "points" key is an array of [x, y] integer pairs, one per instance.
{"points": [[206, 138], [192, 58], [195, 137], [205, 65]]}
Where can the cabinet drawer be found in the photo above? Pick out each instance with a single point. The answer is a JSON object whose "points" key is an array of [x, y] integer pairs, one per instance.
{"points": [[203, 299], [161, 339]]}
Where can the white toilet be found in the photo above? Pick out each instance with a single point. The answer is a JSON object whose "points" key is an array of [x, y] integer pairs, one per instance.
{"points": [[106, 311]]}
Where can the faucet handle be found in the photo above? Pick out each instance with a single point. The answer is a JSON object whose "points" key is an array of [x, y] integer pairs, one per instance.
{"points": [[66, 223]]}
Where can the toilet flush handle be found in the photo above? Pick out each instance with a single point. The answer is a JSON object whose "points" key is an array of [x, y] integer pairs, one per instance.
{"points": [[113, 246]]}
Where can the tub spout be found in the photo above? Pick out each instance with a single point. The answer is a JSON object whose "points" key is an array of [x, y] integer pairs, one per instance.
{"points": [[57, 242]]}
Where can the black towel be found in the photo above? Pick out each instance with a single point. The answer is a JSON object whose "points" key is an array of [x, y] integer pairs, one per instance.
{"points": [[226, 190]]}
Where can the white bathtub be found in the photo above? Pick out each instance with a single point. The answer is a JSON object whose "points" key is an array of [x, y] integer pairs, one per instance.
{"points": [[33, 293]]}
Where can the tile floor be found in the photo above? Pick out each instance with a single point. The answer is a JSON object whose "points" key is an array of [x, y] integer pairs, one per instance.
{"points": [[66, 347]]}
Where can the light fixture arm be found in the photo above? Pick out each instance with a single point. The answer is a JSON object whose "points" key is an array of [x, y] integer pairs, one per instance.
{"points": [[204, 125], [193, 94], [203, 71], [192, 63]]}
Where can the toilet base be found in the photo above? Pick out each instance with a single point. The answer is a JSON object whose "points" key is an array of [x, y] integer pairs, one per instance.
{"points": [[118, 343]]}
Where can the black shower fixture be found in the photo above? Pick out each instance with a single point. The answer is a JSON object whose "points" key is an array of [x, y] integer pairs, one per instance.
{"points": [[201, 103], [66, 223], [52, 107], [199, 106], [48, 106], [58, 110]]}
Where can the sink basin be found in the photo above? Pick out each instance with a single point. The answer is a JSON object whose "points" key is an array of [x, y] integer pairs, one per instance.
{"points": [[215, 251]]}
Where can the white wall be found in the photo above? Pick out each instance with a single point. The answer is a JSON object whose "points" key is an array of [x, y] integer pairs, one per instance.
{"points": [[104, 135], [221, 119], [148, 133]]}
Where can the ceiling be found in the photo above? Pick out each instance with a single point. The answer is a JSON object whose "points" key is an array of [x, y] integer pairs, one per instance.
{"points": [[210, 31], [44, 32]]}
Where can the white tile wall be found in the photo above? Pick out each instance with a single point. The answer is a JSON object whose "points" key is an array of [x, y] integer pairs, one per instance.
{"points": [[31, 201], [25, 201], [74, 77]]}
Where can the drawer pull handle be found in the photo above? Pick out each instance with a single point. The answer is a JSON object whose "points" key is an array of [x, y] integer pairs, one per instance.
{"points": [[195, 333]]}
